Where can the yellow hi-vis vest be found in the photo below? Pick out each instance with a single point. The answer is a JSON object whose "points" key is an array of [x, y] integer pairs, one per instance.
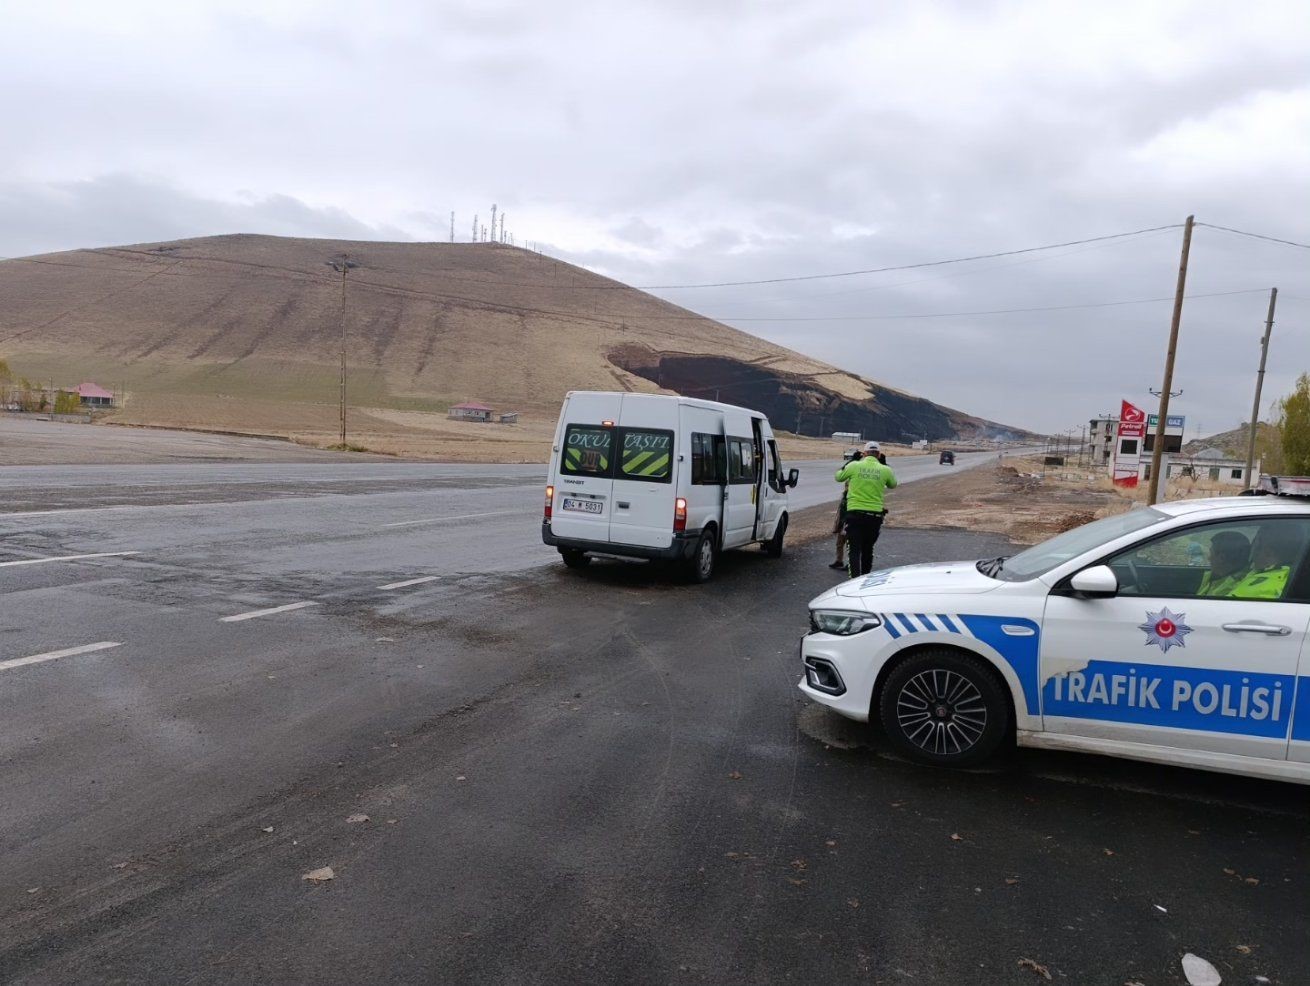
{"points": [[1269, 584]]}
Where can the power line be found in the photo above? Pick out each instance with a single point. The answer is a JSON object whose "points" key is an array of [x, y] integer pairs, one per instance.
{"points": [[918, 266], [994, 311], [1257, 236]]}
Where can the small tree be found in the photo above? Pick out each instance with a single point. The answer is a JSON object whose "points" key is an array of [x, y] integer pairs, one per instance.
{"points": [[1294, 426], [67, 402]]}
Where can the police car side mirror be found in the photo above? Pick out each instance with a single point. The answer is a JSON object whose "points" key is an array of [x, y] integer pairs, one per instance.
{"points": [[1096, 582], [793, 477]]}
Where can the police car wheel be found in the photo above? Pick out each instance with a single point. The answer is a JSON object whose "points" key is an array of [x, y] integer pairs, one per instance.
{"points": [[945, 708], [700, 567], [575, 559]]}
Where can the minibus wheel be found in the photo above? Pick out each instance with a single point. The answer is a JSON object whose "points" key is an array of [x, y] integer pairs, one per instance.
{"points": [[773, 546], [575, 559], [700, 567]]}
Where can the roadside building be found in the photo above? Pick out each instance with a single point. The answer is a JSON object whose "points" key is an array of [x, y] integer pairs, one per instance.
{"points": [[1209, 465], [1100, 439], [470, 411], [93, 395]]}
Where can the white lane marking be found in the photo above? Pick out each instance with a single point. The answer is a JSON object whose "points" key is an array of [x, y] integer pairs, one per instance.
{"points": [[42, 561], [409, 582], [264, 612], [438, 520], [19, 662]]}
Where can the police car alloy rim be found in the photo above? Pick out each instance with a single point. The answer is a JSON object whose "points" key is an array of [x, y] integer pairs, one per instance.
{"points": [[941, 712]]}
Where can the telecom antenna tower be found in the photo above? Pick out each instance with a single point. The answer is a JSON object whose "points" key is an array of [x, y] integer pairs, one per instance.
{"points": [[475, 229], [452, 227], [493, 221]]}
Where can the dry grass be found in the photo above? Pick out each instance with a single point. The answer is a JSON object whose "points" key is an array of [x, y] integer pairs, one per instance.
{"points": [[242, 333]]}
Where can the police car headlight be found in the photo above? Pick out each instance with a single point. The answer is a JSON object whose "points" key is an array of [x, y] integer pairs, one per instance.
{"points": [[842, 622]]}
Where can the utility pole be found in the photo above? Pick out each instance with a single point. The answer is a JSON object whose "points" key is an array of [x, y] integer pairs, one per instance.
{"points": [[452, 226], [343, 265], [1259, 384], [1158, 452]]}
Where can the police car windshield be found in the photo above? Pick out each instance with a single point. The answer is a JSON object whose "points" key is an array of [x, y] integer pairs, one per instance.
{"points": [[1041, 558]]}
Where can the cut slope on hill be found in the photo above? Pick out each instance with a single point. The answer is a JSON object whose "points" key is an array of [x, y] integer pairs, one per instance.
{"points": [[243, 333]]}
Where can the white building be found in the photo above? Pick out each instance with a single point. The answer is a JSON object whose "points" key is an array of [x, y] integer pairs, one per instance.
{"points": [[1210, 465]]}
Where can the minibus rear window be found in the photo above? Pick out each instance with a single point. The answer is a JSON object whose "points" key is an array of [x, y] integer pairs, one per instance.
{"points": [[588, 451], [647, 455]]}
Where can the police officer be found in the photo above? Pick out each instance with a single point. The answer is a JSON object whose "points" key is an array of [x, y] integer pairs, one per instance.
{"points": [[1270, 570], [867, 480], [1230, 557]]}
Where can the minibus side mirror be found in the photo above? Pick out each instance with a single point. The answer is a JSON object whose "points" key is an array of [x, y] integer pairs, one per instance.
{"points": [[793, 478]]}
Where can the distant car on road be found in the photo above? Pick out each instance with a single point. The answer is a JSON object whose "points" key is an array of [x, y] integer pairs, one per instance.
{"points": [[1119, 638], [946, 459]]}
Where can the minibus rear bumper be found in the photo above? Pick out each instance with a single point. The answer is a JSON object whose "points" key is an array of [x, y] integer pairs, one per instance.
{"points": [[682, 545]]}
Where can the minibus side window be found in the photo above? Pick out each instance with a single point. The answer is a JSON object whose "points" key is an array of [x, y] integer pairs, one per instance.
{"points": [[741, 462], [707, 467], [588, 451], [645, 454]]}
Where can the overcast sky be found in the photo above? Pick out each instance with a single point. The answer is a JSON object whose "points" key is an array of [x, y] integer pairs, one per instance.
{"points": [[691, 141]]}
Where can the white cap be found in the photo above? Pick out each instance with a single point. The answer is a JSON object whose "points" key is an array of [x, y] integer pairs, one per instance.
{"points": [[871, 447]]}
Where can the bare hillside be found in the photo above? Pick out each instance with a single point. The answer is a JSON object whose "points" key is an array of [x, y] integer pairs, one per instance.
{"points": [[243, 333]]}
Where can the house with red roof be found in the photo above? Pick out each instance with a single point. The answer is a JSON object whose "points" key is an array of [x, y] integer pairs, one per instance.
{"points": [[470, 411], [93, 395]]}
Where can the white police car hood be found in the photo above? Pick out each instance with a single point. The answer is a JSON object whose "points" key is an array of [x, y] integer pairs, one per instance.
{"points": [[938, 577]]}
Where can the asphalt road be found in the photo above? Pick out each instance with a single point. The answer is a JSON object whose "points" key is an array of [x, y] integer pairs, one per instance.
{"points": [[601, 776]]}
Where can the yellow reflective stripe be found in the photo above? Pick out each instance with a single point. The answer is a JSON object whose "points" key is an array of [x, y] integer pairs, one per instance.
{"points": [[659, 467]]}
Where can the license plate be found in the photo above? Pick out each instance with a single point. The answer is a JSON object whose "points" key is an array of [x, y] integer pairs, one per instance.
{"points": [[584, 506]]}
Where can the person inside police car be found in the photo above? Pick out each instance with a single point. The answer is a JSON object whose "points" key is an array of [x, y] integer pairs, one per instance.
{"points": [[867, 481], [1271, 567], [1230, 561]]}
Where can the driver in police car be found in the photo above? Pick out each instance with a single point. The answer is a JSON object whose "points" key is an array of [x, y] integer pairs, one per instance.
{"points": [[1230, 561]]}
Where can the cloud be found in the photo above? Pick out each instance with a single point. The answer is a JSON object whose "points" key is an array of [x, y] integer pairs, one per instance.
{"points": [[669, 143], [117, 209]]}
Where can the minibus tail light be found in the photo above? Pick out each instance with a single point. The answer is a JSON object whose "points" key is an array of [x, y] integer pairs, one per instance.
{"points": [[680, 514], [550, 499]]}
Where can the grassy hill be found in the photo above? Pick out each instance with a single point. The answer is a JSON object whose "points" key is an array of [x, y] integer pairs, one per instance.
{"points": [[243, 333]]}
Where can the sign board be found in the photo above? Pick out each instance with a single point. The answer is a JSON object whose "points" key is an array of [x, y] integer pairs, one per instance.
{"points": [[1173, 421], [1128, 445]]}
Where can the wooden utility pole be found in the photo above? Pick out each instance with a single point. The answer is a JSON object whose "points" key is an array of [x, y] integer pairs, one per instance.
{"points": [[1259, 384], [1158, 452], [343, 265]]}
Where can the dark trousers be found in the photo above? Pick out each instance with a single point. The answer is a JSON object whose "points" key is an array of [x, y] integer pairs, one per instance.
{"points": [[862, 530]]}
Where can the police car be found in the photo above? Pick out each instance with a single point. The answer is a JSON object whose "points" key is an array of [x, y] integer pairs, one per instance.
{"points": [[1172, 634]]}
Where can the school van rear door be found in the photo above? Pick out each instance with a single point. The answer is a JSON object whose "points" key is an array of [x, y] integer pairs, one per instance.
{"points": [[584, 488], [644, 472]]}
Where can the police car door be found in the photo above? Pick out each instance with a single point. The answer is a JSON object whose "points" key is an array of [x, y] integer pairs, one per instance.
{"points": [[1161, 664]]}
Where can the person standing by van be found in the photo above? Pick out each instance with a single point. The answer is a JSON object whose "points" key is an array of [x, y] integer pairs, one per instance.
{"points": [[839, 528], [867, 480]]}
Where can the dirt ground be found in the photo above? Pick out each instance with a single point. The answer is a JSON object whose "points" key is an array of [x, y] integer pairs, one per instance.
{"points": [[1014, 500]]}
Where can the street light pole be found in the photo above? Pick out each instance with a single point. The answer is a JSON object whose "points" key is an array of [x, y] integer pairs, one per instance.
{"points": [[343, 265]]}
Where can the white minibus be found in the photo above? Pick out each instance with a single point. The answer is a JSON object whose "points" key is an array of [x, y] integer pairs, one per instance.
{"points": [[663, 477]]}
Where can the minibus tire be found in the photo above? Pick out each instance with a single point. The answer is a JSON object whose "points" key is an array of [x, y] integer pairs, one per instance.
{"points": [[574, 558], [926, 737], [773, 546], [700, 566]]}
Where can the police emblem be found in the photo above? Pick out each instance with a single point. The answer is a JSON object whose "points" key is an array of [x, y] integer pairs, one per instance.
{"points": [[1165, 629]]}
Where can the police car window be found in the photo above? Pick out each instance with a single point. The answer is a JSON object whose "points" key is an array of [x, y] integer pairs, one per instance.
{"points": [[1248, 559], [588, 451], [646, 455], [1041, 558]]}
